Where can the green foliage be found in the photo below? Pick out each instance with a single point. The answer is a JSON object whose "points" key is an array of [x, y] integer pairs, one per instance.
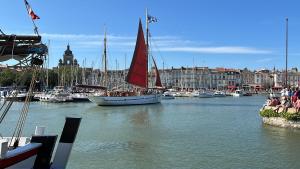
{"points": [[269, 113], [292, 117], [52, 78], [286, 115], [7, 77]]}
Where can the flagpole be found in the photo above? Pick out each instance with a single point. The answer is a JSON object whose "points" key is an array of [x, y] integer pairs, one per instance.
{"points": [[35, 29], [286, 53]]}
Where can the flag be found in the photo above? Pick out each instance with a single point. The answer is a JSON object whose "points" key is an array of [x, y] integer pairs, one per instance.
{"points": [[152, 19], [30, 11]]}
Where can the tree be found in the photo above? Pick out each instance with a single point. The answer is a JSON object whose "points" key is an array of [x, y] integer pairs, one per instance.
{"points": [[7, 77]]}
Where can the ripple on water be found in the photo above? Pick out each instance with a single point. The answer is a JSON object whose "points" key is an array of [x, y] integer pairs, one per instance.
{"points": [[108, 147]]}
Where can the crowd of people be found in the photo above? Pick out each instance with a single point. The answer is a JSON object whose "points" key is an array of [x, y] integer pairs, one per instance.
{"points": [[289, 98]]}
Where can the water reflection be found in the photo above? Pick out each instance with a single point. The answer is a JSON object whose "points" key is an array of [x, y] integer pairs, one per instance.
{"points": [[140, 118], [284, 142]]}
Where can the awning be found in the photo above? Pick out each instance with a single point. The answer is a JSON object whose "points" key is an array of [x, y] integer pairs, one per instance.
{"points": [[231, 87]]}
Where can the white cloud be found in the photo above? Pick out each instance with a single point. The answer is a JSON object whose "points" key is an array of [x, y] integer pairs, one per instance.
{"points": [[264, 60], [160, 43], [218, 50]]}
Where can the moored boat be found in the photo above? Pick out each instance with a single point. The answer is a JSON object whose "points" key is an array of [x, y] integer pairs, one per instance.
{"points": [[219, 94], [167, 96], [58, 95], [237, 93], [203, 94]]}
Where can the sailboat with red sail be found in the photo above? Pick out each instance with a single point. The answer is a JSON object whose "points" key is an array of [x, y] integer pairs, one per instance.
{"points": [[138, 77]]}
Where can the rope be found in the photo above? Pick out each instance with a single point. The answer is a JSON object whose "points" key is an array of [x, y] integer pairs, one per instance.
{"points": [[2, 32], [24, 112], [3, 105], [6, 110]]}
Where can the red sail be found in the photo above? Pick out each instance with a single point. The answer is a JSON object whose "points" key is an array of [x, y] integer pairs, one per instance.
{"points": [[158, 81], [138, 71]]}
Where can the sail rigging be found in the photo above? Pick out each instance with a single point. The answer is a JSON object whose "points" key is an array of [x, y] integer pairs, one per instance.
{"points": [[138, 73]]}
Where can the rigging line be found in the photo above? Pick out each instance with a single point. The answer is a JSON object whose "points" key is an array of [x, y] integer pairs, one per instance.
{"points": [[2, 32], [5, 111], [27, 103], [159, 52], [3, 104], [20, 125], [19, 120]]}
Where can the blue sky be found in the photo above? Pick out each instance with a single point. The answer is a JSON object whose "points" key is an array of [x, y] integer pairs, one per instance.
{"points": [[214, 33]]}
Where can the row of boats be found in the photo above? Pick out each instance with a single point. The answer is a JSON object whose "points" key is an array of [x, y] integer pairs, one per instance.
{"points": [[61, 94], [171, 94], [58, 94]]}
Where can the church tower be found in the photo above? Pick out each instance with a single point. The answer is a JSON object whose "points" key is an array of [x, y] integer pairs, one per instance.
{"points": [[68, 58]]}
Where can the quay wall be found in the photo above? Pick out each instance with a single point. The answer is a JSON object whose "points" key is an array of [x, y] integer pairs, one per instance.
{"points": [[281, 122]]}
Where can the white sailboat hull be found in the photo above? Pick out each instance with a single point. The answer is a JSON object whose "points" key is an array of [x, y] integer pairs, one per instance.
{"points": [[126, 100]]}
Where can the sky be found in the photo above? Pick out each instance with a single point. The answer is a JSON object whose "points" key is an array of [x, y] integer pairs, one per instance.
{"points": [[213, 33]]}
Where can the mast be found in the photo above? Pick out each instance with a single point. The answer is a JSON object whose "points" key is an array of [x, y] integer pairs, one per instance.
{"points": [[194, 68], [164, 73], [147, 45], [286, 53], [124, 86], [105, 59], [47, 67]]}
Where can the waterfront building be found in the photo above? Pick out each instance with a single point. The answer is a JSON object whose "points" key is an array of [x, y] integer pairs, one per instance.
{"points": [[223, 78], [293, 77], [247, 79], [185, 78], [263, 79]]}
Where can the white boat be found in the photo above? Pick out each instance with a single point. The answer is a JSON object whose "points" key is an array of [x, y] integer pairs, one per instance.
{"points": [[80, 97], [183, 94], [58, 95], [126, 100], [195, 93], [237, 93], [219, 94], [167, 96], [202, 94], [137, 75]]}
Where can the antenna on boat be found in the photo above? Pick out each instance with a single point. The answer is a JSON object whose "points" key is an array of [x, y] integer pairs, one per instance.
{"points": [[286, 52]]}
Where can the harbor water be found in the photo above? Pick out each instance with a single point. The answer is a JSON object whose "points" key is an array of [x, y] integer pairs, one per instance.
{"points": [[185, 133]]}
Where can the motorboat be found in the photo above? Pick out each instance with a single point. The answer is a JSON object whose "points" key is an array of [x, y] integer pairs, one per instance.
{"points": [[203, 94], [167, 96], [80, 97], [219, 94], [238, 93], [57, 95]]}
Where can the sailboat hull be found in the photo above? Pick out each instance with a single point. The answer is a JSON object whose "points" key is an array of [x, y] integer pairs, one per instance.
{"points": [[126, 100]]}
